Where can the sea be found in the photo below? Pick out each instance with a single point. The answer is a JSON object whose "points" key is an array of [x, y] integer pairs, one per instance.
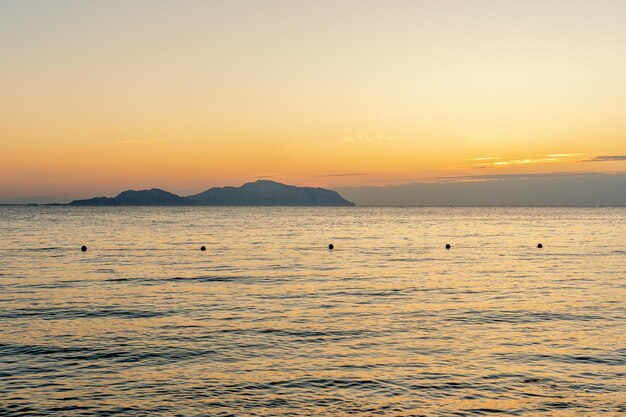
{"points": [[268, 321]]}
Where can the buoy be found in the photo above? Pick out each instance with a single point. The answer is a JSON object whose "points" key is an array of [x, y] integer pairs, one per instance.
{"points": [[83, 248], [447, 246], [540, 246], [202, 248], [331, 246]]}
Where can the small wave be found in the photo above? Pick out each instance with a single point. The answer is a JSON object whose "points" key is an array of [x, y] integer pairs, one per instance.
{"points": [[156, 281], [317, 384], [73, 313], [518, 317], [99, 357], [613, 359]]}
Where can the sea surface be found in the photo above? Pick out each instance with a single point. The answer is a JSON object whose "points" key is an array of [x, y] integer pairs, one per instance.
{"points": [[269, 322]]}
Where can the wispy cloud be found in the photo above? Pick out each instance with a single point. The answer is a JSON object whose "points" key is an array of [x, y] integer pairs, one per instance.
{"points": [[606, 158], [525, 161], [347, 174], [564, 155], [488, 162], [148, 141], [500, 177]]}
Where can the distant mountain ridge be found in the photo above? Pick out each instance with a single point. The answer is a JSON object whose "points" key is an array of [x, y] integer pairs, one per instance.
{"points": [[152, 197], [269, 193], [258, 193]]}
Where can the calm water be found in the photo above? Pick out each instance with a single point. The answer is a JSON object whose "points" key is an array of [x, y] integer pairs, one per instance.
{"points": [[268, 321]]}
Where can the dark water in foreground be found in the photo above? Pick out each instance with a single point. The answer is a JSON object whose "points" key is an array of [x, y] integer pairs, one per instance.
{"points": [[268, 322]]}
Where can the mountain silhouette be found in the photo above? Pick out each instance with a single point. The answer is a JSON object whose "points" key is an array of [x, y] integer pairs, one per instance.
{"points": [[258, 193], [269, 193], [152, 197]]}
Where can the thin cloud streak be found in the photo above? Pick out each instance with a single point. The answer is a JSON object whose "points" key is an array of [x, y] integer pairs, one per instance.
{"points": [[563, 155], [525, 161], [543, 159], [606, 158], [501, 177]]}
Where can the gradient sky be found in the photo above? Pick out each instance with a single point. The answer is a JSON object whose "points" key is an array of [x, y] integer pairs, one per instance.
{"points": [[98, 97]]}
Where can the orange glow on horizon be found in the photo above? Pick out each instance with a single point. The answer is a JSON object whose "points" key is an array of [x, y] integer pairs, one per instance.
{"points": [[368, 95]]}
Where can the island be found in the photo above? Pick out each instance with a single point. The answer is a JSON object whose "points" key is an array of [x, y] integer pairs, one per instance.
{"points": [[152, 197], [257, 193]]}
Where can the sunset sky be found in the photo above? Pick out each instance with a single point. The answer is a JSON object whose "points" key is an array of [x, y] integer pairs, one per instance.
{"points": [[98, 97]]}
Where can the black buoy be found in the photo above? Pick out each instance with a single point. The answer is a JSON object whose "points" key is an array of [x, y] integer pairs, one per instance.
{"points": [[202, 248], [331, 246], [447, 246], [539, 245], [83, 248]]}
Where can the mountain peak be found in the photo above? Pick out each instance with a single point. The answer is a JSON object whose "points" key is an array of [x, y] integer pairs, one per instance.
{"points": [[269, 193], [262, 181]]}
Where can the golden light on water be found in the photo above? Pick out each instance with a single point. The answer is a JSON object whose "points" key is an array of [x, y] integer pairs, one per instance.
{"points": [[269, 321]]}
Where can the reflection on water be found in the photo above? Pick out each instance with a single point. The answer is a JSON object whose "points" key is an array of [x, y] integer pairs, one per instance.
{"points": [[268, 321]]}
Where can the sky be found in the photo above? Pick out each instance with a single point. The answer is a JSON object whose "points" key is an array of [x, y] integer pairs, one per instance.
{"points": [[102, 96]]}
